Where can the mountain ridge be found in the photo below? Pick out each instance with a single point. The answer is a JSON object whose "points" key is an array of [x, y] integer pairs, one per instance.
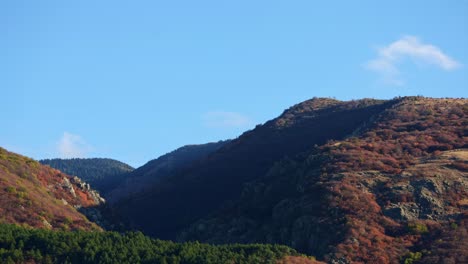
{"points": [[333, 185], [380, 187], [161, 167], [261, 147]]}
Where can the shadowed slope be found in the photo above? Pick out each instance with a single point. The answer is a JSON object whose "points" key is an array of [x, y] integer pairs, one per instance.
{"points": [[178, 201]]}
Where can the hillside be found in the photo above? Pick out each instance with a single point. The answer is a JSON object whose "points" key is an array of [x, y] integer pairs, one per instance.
{"points": [[358, 181], [394, 189], [208, 184], [157, 169], [35, 195], [102, 174]]}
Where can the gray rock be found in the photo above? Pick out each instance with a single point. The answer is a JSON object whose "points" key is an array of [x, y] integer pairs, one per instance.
{"points": [[68, 186], [403, 212]]}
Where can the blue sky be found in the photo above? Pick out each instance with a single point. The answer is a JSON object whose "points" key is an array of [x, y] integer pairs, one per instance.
{"points": [[132, 80]]}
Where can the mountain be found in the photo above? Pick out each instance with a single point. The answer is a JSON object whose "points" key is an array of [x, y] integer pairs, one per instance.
{"points": [[357, 181], [398, 184], [207, 185], [102, 174], [35, 195], [157, 169]]}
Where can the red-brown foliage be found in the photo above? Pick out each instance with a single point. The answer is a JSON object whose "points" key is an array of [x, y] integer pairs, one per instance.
{"points": [[411, 132], [34, 195]]}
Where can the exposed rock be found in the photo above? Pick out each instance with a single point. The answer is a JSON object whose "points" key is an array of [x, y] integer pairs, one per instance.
{"points": [[46, 224], [96, 197], [403, 212], [68, 186], [431, 184], [341, 260], [85, 187], [433, 208]]}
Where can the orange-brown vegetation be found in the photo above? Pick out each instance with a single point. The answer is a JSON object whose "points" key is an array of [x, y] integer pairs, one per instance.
{"points": [[418, 144], [298, 260], [387, 191], [35, 195]]}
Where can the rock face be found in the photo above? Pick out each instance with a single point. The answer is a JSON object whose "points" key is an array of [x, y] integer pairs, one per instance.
{"points": [[428, 201], [85, 187], [68, 186], [403, 212], [70, 183], [93, 213]]}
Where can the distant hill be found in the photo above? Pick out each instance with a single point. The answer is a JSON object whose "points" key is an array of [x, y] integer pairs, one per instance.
{"points": [[153, 171], [102, 174], [35, 195], [358, 181]]}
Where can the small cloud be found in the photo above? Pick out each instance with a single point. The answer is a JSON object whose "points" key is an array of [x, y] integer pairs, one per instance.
{"points": [[72, 146], [222, 119], [408, 47]]}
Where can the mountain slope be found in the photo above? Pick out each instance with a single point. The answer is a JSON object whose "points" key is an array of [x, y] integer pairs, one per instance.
{"points": [[35, 195], [395, 189], [102, 174], [207, 185], [153, 171], [359, 181]]}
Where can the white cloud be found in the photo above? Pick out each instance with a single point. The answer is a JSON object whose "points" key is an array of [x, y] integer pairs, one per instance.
{"points": [[72, 146], [222, 119], [408, 47]]}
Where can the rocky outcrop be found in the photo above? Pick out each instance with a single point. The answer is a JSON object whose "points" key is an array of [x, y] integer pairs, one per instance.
{"points": [[85, 187], [66, 184], [46, 224], [74, 184], [403, 212], [427, 196]]}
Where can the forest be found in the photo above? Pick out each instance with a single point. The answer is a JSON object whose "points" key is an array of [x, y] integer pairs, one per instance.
{"points": [[26, 245]]}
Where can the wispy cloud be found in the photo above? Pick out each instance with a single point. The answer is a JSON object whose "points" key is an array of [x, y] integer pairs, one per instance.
{"points": [[72, 146], [222, 119], [408, 47]]}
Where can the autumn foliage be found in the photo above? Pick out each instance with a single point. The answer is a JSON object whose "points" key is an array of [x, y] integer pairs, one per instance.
{"points": [[35, 195]]}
